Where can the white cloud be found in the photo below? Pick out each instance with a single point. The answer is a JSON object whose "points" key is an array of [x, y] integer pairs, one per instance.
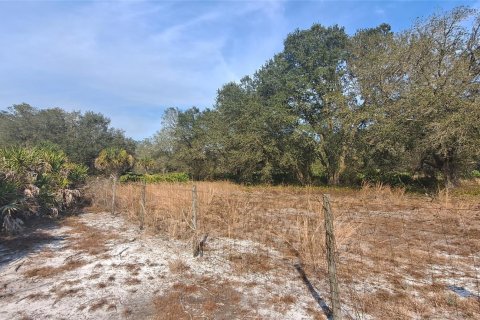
{"points": [[380, 11], [118, 55], [130, 59]]}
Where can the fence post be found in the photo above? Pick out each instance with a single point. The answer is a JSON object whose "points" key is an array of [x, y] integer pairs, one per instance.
{"points": [[332, 269], [114, 189], [194, 207], [143, 204]]}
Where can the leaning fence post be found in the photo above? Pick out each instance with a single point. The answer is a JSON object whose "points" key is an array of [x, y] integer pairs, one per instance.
{"points": [[143, 203], [194, 207], [332, 269]]}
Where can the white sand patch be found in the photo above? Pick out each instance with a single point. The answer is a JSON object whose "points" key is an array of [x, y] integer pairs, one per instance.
{"points": [[122, 282]]}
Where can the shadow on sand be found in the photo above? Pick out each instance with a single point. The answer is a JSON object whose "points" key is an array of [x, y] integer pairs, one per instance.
{"points": [[321, 302], [32, 239]]}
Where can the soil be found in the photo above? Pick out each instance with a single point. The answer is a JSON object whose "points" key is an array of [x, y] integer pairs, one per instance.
{"points": [[99, 266]]}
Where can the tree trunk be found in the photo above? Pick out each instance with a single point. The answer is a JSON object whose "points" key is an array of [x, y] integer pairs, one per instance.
{"points": [[334, 178], [449, 175]]}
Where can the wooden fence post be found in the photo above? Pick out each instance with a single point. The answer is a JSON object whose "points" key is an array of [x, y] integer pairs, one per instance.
{"points": [[114, 189], [143, 204], [332, 268], [194, 207]]}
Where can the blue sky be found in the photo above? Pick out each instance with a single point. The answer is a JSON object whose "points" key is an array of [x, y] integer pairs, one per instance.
{"points": [[131, 59]]}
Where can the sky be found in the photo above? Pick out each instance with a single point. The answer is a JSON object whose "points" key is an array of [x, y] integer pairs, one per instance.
{"points": [[130, 60]]}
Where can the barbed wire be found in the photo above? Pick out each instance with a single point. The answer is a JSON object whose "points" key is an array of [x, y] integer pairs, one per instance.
{"points": [[440, 244]]}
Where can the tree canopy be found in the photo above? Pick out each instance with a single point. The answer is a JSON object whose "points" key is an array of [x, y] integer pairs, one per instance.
{"points": [[81, 136], [330, 107], [341, 108]]}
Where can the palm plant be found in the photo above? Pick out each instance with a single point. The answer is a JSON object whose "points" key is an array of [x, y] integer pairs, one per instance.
{"points": [[114, 161], [34, 180], [11, 224], [146, 163]]}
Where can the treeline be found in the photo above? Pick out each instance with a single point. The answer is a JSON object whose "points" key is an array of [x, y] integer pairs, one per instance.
{"points": [[45, 156], [336, 108], [80, 135]]}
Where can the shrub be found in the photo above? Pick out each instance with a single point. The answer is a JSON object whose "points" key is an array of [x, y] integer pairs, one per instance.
{"points": [[476, 174], [394, 179], [156, 178], [35, 180]]}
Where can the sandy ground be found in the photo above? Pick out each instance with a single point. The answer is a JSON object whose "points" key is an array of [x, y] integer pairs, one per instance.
{"points": [[124, 273]]}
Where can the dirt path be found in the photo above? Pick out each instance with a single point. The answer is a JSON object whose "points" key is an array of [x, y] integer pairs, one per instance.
{"points": [[96, 266]]}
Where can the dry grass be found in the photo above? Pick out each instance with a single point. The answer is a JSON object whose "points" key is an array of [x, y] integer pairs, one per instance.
{"points": [[398, 252], [61, 294], [178, 266], [49, 271], [88, 239], [286, 215], [406, 253], [251, 262], [94, 275], [206, 297], [132, 281], [133, 268], [98, 304], [38, 296], [282, 303]]}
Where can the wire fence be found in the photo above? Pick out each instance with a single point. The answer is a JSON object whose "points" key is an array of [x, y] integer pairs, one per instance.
{"points": [[396, 257]]}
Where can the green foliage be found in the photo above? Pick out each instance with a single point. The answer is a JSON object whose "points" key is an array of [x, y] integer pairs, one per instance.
{"points": [[34, 179], [395, 179], [146, 163], [422, 87], [155, 178], [8, 190], [11, 224], [114, 161], [376, 106], [81, 136], [468, 190], [476, 174], [46, 169]]}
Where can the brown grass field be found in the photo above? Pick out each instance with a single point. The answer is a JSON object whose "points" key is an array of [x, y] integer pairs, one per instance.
{"points": [[400, 256]]}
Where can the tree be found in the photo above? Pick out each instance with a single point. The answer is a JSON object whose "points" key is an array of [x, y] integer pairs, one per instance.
{"points": [[444, 99], [315, 72], [262, 138], [377, 102], [161, 146], [114, 161], [425, 94], [24, 125], [81, 136], [89, 134], [373, 65], [193, 142], [146, 164]]}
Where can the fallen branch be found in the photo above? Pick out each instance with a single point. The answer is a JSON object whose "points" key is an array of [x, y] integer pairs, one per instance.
{"points": [[19, 265], [122, 251]]}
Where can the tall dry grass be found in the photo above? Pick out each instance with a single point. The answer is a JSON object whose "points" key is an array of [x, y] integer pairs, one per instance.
{"points": [[398, 252], [289, 219]]}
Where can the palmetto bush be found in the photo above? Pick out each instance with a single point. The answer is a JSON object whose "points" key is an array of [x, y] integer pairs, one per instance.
{"points": [[35, 181], [114, 161]]}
